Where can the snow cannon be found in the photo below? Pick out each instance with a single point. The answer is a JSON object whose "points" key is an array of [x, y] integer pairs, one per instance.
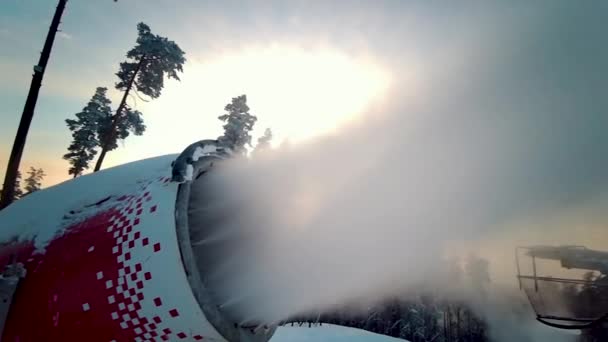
{"points": [[108, 257]]}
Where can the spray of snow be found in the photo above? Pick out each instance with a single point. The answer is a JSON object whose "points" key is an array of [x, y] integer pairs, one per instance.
{"points": [[484, 146], [372, 211]]}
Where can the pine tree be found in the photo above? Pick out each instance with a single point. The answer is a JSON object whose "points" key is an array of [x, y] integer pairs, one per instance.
{"points": [[238, 124], [152, 58], [264, 141], [132, 122], [33, 182], [85, 136]]}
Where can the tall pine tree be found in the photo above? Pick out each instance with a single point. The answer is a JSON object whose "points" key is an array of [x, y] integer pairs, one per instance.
{"points": [[132, 122], [152, 58], [95, 122], [85, 130], [238, 124]]}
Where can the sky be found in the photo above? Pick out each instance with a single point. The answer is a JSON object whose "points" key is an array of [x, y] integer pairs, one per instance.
{"points": [[264, 50], [308, 67]]}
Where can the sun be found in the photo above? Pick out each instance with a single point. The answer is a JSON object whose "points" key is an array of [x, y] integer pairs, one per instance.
{"points": [[299, 93]]}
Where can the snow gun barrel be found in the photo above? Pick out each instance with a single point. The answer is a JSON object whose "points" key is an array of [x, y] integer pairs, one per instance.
{"points": [[108, 257]]}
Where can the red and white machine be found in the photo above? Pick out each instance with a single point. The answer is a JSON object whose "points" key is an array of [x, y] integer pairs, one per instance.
{"points": [[107, 257]]}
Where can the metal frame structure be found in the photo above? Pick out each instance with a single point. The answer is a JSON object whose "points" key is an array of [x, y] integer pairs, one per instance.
{"points": [[557, 321]]}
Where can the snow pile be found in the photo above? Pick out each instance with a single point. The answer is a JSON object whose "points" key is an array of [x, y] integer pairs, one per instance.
{"points": [[329, 333]]}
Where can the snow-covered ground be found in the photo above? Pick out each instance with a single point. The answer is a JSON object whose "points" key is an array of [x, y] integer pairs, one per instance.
{"points": [[329, 333]]}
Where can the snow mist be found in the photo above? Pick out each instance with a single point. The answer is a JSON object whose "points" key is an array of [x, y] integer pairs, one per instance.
{"points": [[370, 211], [483, 144]]}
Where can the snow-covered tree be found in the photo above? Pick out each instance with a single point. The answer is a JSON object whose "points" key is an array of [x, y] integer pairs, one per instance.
{"points": [[238, 124], [33, 182], [152, 58], [85, 136], [94, 122], [264, 141]]}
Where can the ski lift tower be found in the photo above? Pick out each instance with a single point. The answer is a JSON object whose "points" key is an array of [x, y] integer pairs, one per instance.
{"points": [[578, 301]]}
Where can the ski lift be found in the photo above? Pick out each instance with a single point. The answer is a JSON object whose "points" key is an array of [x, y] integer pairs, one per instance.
{"points": [[573, 302]]}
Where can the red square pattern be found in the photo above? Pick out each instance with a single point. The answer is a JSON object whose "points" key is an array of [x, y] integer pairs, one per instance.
{"points": [[157, 301]]}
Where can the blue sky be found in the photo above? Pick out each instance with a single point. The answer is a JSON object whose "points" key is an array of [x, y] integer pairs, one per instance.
{"points": [[94, 37]]}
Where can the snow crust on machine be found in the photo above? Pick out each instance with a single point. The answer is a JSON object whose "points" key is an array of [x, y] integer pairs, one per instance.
{"points": [[328, 333], [183, 165], [203, 151], [44, 214]]}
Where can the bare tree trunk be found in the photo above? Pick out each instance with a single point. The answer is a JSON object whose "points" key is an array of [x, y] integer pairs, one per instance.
{"points": [[469, 330], [458, 323], [445, 325], [449, 324], [8, 192], [116, 118]]}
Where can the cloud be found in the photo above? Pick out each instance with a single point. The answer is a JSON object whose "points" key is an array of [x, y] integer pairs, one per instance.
{"points": [[64, 35]]}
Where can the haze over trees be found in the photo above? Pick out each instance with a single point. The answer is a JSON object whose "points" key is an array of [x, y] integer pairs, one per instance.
{"points": [[151, 60], [419, 316], [263, 141]]}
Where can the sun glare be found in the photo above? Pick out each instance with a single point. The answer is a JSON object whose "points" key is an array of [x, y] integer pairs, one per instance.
{"points": [[298, 93]]}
